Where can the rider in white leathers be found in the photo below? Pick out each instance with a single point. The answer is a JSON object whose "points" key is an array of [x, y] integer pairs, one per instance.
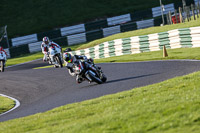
{"points": [[45, 47], [1, 49]]}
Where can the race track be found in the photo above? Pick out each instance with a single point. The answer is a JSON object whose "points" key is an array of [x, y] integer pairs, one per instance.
{"points": [[44, 89]]}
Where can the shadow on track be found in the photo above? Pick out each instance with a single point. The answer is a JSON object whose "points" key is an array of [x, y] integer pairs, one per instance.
{"points": [[122, 79]]}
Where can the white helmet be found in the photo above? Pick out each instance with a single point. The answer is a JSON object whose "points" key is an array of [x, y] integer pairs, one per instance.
{"points": [[46, 40]]}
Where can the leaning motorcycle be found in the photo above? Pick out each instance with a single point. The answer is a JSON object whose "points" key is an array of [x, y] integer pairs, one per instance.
{"points": [[2, 61], [55, 57], [89, 71]]}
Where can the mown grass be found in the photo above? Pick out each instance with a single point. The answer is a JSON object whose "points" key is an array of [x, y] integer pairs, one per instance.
{"points": [[6, 104], [170, 106], [24, 58], [140, 32], [30, 16], [180, 53]]}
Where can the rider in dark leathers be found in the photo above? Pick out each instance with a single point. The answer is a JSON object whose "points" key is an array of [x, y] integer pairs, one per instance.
{"points": [[73, 60]]}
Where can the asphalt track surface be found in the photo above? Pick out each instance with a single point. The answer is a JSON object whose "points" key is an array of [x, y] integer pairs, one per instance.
{"points": [[44, 89]]}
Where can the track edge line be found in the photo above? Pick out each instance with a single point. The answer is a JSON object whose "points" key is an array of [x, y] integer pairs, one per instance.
{"points": [[17, 104]]}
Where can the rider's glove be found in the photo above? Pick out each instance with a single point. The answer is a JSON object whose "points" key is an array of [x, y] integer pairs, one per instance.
{"points": [[85, 58]]}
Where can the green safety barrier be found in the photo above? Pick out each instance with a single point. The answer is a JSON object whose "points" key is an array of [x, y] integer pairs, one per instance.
{"points": [[19, 50], [158, 21], [178, 38], [163, 39], [62, 41], [96, 25], [128, 27], [3, 43], [93, 35]]}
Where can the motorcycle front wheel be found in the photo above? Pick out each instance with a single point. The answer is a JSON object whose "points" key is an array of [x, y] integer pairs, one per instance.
{"points": [[2, 66], [59, 61], [94, 78], [104, 78]]}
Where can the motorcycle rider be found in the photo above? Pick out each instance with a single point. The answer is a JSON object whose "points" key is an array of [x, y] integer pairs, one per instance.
{"points": [[46, 44], [1, 49], [73, 60]]}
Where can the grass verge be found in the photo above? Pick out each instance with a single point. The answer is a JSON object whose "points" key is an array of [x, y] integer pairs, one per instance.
{"points": [[180, 53], [30, 57], [140, 32], [170, 106], [44, 67], [151, 30], [24, 58], [6, 104]]}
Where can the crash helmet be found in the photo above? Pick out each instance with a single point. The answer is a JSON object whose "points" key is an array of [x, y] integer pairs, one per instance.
{"points": [[91, 60], [45, 40], [68, 57]]}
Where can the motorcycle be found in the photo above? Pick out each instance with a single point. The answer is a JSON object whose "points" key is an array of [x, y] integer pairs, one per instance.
{"points": [[54, 56], [87, 70], [2, 61]]}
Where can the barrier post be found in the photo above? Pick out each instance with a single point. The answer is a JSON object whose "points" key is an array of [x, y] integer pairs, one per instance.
{"points": [[187, 13], [176, 19], [168, 21], [198, 7], [7, 37], [196, 10], [170, 17], [192, 7], [164, 51], [180, 15]]}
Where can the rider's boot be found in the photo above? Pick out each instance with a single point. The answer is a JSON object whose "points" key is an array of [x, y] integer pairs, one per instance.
{"points": [[78, 79], [44, 59], [51, 60], [98, 67]]}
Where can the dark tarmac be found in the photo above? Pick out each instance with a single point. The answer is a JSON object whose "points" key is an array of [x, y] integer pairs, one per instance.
{"points": [[44, 89]]}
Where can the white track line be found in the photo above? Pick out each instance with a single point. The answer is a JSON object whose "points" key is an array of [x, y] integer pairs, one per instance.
{"points": [[23, 63], [17, 104]]}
